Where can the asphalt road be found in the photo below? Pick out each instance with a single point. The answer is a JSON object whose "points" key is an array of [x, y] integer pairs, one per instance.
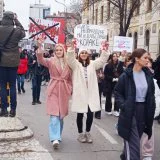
{"points": [[107, 144]]}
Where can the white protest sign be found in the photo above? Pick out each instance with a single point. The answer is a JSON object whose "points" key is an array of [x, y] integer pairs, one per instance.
{"points": [[123, 43], [28, 47], [89, 36]]}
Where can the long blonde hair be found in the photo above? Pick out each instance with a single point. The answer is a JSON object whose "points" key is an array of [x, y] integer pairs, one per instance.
{"points": [[64, 54]]}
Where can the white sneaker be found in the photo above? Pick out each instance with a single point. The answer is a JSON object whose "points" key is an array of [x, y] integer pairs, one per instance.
{"points": [[109, 113], [81, 138], [147, 158], [55, 144], [43, 84], [88, 137], [115, 113]]}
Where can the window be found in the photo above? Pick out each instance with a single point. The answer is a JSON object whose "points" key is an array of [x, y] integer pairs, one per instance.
{"points": [[149, 5], [102, 11], [137, 8], [108, 10], [107, 38], [130, 35], [135, 40], [87, 2], [96, 16], [147, 35]]}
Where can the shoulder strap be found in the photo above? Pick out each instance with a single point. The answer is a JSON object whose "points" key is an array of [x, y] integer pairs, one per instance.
{"points": [[7, 40]]}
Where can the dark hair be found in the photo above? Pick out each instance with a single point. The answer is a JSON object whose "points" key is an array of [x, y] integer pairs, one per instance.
{"points": [[151, 60], [24, 51], [35, 48], [137, 53], [110, 60], [87, 60], [22, 55]]}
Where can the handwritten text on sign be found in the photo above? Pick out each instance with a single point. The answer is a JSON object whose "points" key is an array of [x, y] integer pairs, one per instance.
{"points": [[90, 36], [123, 43]]}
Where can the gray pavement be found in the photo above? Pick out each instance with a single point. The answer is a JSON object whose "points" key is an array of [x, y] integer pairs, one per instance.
{"points": [[17, 142], [107, 144]]}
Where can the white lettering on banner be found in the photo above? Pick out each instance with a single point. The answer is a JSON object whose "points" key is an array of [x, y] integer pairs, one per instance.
{"points": [[90, 36]]}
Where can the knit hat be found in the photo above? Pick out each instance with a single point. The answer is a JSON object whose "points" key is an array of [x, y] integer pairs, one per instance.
{"points": [[8, 18], [83, 49]]}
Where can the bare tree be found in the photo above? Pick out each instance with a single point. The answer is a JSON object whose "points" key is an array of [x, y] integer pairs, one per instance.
{"points": [[76, 6], [123, 11], [73, 16]]}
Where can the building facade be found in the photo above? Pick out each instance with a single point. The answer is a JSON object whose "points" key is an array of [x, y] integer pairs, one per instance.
{"points": [[39, 11], [1, 8], [144, 26]]}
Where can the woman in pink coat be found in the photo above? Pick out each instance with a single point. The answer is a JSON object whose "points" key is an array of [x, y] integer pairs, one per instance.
{"points": [[58, 91]]}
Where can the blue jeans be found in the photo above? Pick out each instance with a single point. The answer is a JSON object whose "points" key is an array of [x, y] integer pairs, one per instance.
{"points": [[20, 82], [36, 87], [55, 128], [8, 74]]}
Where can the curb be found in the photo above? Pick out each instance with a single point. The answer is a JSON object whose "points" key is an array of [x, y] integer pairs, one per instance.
{"points": [[11, 129]]}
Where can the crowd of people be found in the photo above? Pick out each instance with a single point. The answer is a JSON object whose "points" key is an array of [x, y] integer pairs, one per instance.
{"points": [[132, 80]]}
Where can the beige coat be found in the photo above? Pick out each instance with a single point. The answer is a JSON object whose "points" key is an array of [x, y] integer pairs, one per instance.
{"points": [[84, 96]]}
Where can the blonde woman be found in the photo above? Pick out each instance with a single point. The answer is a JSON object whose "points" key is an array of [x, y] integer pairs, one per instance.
{"points": [[58, 91]]}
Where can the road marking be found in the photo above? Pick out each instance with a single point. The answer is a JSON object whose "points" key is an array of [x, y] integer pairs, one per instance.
{"points": [[106, 135]]}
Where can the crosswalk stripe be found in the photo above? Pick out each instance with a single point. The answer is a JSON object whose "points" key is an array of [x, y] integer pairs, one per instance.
{"points": [[106, 135]]}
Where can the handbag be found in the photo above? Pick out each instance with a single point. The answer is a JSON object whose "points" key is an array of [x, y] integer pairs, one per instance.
{"points": [[6, 42]]}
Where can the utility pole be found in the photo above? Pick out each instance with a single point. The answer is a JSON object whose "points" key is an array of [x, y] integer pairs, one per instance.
{"points": [[39, 9]]}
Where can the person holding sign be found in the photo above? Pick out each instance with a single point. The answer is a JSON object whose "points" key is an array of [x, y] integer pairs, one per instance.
{"points": [[58, 91], [85, 97]]}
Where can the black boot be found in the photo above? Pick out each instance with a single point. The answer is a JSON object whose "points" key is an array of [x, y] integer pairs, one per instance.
{"points": [[98, 115], [39, 102], [122, 156], [12, 113], [158, 120], [22, 88], [4, 113], [34, 103]]}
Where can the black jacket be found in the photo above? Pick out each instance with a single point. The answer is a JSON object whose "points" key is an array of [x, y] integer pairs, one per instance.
{"points": [[10, 55], [35, 68], [125, 95], [111, 71]]}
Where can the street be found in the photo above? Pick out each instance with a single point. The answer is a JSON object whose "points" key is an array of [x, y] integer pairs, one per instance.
{"points": [[107, 145]]}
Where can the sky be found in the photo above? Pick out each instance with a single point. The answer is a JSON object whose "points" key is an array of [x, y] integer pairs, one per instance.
{"points": [[21, 7]]}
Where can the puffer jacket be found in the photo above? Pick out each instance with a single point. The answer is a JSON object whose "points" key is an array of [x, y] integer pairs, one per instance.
{"points": [[23, 66], [10, 54], [125, 95]]}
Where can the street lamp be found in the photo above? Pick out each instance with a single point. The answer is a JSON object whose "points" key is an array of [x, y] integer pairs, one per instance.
{"points": [[63, 5], [65, 14]]}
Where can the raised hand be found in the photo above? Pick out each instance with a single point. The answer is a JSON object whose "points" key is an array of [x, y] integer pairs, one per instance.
{"points": [[71, 44], [105, 45]]}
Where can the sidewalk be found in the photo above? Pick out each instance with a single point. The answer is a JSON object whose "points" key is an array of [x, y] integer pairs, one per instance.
{"points": [[17, 142]]}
